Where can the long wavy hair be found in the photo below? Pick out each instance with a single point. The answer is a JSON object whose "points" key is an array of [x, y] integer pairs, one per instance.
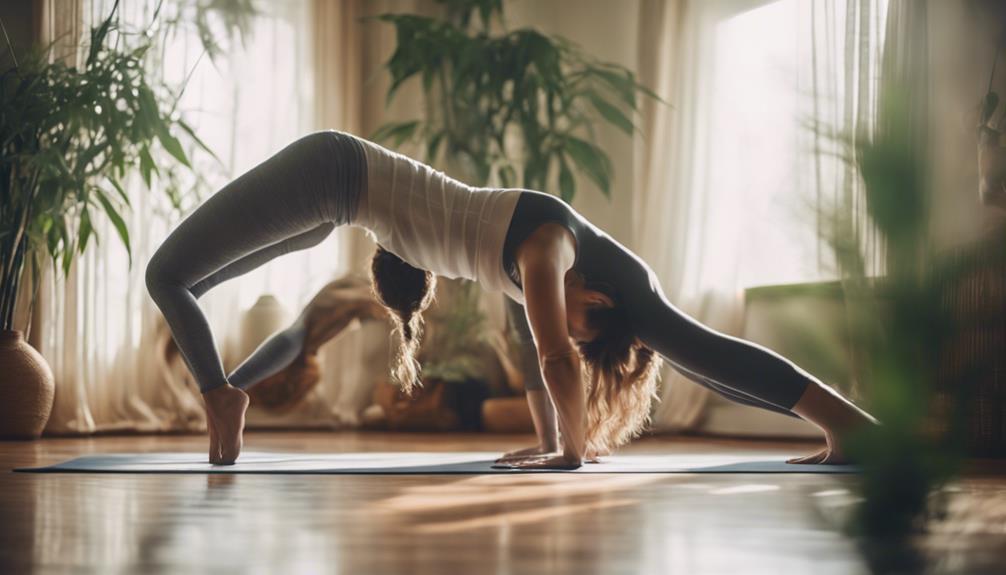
{"points": [[621, 375], [406, 292]]}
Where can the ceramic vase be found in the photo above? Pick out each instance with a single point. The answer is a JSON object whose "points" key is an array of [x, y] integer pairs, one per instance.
{"points": [[26, 388]]}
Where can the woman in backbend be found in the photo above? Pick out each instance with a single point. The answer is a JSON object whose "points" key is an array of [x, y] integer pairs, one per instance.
{"points": [[598, 317]]}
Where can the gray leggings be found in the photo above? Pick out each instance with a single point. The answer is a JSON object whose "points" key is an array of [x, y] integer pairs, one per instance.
{"points": [[289, 202]]}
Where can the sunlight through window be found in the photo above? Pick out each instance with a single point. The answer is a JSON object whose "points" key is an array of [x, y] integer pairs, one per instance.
{"points": [[776, 72]]}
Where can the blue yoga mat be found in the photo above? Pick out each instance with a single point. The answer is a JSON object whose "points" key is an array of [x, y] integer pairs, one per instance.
{"points": [[421, 463]]}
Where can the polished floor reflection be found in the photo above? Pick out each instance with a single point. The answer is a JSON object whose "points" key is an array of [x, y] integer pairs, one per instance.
{"points": [[698, 523]]}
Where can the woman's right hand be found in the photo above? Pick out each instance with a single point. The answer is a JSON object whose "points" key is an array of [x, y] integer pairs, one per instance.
{"points": [[526, 453]]}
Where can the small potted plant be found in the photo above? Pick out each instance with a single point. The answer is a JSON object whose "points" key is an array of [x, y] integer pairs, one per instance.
{"points": [[454, 365]]}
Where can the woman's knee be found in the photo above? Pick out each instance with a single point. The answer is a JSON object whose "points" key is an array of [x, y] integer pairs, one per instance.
{"points": [[158, 278]]}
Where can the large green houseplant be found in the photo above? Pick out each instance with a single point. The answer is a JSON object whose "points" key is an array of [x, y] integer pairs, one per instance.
{"points": [[70, 137], [506, 107], [907, 338], [517, 106]]}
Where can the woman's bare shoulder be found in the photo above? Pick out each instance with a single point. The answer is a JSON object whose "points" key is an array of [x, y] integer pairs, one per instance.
{"points": [[550, 243]]}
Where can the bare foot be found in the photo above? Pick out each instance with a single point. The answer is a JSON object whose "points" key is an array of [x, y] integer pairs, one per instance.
{"points": [[526, 453], [536, 452], [225, 408], [835, 415]]}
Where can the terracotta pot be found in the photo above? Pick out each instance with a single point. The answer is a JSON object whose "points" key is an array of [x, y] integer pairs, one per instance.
{"points": [[26, 388], [507, 415]]}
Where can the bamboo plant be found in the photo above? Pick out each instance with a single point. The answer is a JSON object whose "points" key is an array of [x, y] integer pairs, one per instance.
{"points": [[71, 136]]}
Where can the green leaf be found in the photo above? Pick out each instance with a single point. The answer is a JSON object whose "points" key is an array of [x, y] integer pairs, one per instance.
{"points": [[611, 113], [508, 176], [592, 160], [98, 36], [67, 251], [536, 170], [192, 134], [147, 166], [567, 186], [433, 146], [85, 230], [118, 188], [399, 132], [88, 156], [171, 144], [117, 221], [620, 83], [52, 240], [148, 113]]}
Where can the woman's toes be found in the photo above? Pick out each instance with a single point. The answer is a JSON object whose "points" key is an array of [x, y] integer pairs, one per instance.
{"points": [[835, 457]]}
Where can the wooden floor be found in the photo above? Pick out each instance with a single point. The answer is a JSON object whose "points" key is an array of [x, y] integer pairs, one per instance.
{"points": [[690, 524]]}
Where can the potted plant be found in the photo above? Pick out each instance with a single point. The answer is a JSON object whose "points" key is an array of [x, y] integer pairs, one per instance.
{"points": [[510, 107], [70, 136], [454, 354], [453, 368], [922, 335]]}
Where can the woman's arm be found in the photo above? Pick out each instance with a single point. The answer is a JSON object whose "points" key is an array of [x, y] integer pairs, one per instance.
{"points": [[562, 376], [543, 260], [538, 401], [543, 415]]}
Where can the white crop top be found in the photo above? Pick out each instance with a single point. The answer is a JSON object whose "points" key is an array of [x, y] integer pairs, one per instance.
{"points": [[433, 221]]}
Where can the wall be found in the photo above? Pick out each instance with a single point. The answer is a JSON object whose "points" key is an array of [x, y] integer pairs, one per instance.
{"points": [[962, 37], [807, 324], [19, 20]]}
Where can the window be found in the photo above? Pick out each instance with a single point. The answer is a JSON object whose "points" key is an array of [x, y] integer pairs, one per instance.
{"points": [[774, 70]]}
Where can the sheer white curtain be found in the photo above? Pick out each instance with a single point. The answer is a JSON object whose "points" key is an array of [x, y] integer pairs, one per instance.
{"points": [[98, 328], [736, 173]]}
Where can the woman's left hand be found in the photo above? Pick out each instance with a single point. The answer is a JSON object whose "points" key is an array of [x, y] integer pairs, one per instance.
{"points": [[542, 462], [527, 453]]}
